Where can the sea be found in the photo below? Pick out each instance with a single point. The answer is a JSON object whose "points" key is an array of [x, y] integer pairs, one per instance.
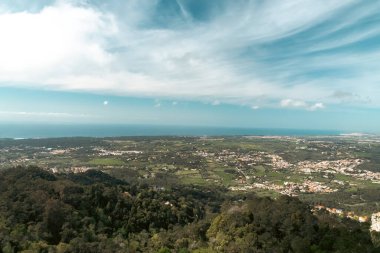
{"points": [[19, 131]]}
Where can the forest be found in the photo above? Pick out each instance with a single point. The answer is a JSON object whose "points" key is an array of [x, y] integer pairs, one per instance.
{"points": [[95, 212]]}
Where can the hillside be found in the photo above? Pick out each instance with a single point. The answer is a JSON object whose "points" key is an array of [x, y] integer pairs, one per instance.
{"points": [[94, 212]]}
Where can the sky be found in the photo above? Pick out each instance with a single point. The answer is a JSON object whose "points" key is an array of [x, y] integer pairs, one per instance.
{"points": [[301, 64]]}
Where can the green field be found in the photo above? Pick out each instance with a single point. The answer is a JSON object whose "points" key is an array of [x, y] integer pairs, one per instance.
{"points": [[215, 161], [106, 162]]}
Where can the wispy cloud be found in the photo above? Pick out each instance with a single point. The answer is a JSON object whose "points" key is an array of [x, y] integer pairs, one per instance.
{"points": [[316, 106], [265, 57], [293, 103], [290, 103], [44, 114]]}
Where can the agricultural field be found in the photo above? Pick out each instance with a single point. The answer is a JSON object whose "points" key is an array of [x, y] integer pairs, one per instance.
{"points": [[337, 171]]}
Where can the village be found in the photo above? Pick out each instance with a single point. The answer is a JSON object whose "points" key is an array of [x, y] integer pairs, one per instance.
{"points": [[310, 168]]}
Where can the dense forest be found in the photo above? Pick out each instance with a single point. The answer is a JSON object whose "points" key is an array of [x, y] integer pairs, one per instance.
{"points": [[95, 212]]}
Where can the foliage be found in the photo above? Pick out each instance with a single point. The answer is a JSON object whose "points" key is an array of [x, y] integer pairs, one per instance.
{"points": [[94, 212]]}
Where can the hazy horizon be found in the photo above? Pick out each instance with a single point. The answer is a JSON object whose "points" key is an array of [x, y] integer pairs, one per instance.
{"points": [[35, 131]]}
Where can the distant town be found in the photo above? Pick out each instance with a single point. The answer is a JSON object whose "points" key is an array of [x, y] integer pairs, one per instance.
{"points": [[339, 174]]}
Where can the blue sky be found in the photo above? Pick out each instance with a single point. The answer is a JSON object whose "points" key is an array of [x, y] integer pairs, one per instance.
{"points": [[267, 64]]}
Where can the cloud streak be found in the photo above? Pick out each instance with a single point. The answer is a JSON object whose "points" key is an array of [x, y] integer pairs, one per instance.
{"points": [[43, 114], [290, 103]]}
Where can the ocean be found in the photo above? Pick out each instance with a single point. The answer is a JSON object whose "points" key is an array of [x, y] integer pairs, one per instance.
{"points": [[53, 131]]}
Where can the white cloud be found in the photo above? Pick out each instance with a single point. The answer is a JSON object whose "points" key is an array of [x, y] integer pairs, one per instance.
{"points": [[255, 107], [290, 103], [316, 106], [293, 103], [59, 40], [105, 102]]}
